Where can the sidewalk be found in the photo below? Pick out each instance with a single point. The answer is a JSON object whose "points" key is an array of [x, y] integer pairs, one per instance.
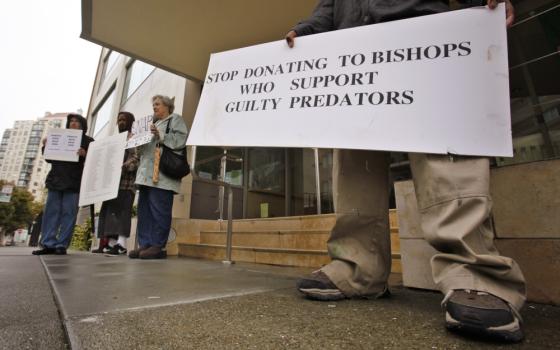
{"points": [[118, 303], [29, 317]]}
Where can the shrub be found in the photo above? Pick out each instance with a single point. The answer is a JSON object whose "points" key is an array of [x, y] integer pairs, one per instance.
{"points": [[81, 240]]}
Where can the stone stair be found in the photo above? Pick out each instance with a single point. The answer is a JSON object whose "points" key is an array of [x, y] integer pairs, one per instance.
{"points": [[290, 241]]}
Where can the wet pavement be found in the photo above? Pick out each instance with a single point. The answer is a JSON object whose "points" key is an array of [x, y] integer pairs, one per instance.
{"points": [[118, 303], [29, 317]]}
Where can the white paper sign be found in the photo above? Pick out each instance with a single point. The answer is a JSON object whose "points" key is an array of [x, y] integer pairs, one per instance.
{"points": [[431, 84], [141, 133], [63, 144], [102, 170], [6, 194]]}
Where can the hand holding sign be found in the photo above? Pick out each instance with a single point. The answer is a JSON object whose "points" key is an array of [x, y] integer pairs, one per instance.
{"points": [[141, 132], [510, 13]]}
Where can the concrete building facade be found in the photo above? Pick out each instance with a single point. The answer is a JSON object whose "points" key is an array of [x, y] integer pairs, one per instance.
{"points": [[282, 197]]}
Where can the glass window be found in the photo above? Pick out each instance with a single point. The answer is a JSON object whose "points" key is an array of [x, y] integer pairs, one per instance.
{"points": [[325, 180], [266, 183], [104, 112], [208, 161], [535, 95], [266, 170], [207, 198], [234, 167], [110, 61], [302, 182], [137, 72]]}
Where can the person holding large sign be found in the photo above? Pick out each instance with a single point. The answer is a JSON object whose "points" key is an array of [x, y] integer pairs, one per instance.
{"points": [[114, 217], [63, 182], [484, 291], [155, 200]]}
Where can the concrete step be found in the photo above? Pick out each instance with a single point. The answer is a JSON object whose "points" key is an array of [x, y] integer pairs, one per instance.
{"points": [[312, 222], [261, 255], [281, 239], [289, 241]]}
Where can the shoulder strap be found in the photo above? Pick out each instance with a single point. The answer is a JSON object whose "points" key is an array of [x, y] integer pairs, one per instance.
{"points": [[167, 128]]}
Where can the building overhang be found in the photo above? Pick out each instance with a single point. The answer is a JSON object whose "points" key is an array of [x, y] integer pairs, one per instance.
{"points": [[180, 35]]}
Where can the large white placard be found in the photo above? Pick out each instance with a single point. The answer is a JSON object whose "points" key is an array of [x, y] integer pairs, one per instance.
{"points": [[141, 133], [63, 144], [432, 84], [102, 170]]}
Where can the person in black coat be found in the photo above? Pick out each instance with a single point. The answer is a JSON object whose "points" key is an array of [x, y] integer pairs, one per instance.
{"points": [[63, 183]]}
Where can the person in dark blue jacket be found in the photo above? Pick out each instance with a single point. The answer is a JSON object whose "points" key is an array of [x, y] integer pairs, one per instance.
{"points": [[63, 184]]}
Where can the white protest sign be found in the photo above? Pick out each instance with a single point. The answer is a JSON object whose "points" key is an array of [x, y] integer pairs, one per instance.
{"points": [[140, 132], [63, 144], [6, 193], [102, 170], [431, 84]]}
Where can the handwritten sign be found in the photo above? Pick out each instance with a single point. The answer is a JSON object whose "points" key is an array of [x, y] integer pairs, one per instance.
{"points": [[63, 144], [140, 132], [431, 84], [102, 170]]}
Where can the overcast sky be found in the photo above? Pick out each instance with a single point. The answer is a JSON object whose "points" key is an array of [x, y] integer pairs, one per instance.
{"points": [[44, 65]]}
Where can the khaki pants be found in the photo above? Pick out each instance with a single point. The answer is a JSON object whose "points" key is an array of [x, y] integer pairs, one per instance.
{"points": [[454, 203]]}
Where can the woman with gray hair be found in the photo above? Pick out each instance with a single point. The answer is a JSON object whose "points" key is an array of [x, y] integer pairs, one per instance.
{"points": [[157, 189]]}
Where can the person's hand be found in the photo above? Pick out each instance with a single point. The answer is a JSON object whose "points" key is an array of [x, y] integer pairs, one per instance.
{"points": [[510, 13], [291, 38], [154, 131], [82, 152]]}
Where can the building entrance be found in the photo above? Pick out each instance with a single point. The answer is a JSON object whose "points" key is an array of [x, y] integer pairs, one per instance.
{"points": [[267, 182]]}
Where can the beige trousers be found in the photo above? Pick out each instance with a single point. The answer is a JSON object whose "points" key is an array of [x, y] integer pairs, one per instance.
{"points": [[455, 205]]}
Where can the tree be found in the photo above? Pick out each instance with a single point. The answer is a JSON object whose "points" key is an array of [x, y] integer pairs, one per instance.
{"points": [[18, 213]]}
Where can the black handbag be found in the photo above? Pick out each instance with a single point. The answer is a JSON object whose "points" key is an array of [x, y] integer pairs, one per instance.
{"points": [[172, 164]]}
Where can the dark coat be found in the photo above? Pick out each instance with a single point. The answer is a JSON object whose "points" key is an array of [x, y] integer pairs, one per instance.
{"points": [[67, 176], [339, 14]]}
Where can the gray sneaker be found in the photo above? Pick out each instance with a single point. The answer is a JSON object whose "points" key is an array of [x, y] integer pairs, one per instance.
{"points": [[483, 314], [318, 286]]}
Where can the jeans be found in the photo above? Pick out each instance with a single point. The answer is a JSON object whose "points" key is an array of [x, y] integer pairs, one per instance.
{"points": [[59, 219], [154, 216]]}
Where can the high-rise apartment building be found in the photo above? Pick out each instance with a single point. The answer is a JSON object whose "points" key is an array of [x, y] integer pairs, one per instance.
{"points": [[21, 161]]}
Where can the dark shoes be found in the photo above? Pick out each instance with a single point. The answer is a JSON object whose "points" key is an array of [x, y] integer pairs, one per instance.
{"points": [[318, 286], [103, 245], [117, 249], [471, 312], [150, 253], [135, 254], [98, 250], [153, 253], [482, 314], [44, 251]]}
